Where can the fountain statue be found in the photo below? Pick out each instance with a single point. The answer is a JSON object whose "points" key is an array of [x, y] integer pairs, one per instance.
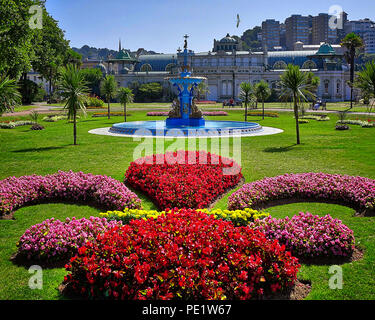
{"points": [[185, 118], [188, 114]]}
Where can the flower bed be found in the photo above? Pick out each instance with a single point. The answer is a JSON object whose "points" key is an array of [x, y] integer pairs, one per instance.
{"points": [[309, 236], [363, 124], [238, 217], [54, 241], [260, 114], [205, 113], [171, 182], [12, 125], [356, 192], [105, 114], [183, 255], [101, 191]]}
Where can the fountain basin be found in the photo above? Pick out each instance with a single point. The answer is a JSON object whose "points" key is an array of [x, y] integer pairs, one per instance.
{"points": [[209, 128]]}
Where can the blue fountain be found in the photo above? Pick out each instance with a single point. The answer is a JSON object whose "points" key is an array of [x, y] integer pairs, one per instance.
{"points": [[185, 119]]}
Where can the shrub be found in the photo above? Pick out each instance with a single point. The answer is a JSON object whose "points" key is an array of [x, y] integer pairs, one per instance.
{"points": [[238, 217], [54, 241], [94, 102], [101, 191], [309, 236], [357, 192], [171, 182], [183, 255]]}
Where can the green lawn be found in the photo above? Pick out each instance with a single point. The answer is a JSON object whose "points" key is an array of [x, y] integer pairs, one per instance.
{"points": [[323, 149]]}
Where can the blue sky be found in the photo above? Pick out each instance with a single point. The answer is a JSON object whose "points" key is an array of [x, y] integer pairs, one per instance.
{"points": [[159, 25]]}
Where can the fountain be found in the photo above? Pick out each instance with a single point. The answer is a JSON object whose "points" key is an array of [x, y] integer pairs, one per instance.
{"points": [[185, 118]]}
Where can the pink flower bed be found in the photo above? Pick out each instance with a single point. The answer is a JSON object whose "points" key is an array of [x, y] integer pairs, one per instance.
{"points": [[357, 192], [54, 240], [99, 190], [309, 236], [205, 113]]}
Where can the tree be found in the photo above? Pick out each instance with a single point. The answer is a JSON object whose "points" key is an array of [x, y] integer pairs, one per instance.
{"points": [[352, 42], [93, 76], [150, 91], [294, 84], [246, 92], [108, 89], [51, 51], [9, 94], [366, 80], [262, 92], [125, 95], [74, 92], [16, 49], [202, 89]]}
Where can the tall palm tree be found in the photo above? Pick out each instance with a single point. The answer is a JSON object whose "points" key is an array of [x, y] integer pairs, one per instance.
{"points": [[108, 88], [9, 94], [74, 91], [352, 42], [294, 84], [125, 95], [262, 92], [246, 94]]}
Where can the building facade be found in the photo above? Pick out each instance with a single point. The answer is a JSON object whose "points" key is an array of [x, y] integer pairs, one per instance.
{"points": [[226, 70]]}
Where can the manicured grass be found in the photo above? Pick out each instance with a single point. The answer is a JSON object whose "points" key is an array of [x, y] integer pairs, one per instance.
{"points": [[323, 149]]}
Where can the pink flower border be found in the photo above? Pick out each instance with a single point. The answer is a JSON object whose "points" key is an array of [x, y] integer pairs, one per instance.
{"points": [[99, 190], [356, 192]]}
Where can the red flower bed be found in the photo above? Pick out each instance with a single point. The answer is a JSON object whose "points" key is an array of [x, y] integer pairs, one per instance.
{"points": [[173, 181], [183, 255]]}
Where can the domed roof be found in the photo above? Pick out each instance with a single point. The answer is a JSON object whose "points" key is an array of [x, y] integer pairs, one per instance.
{"points": [[326, 49], [228, 39]]}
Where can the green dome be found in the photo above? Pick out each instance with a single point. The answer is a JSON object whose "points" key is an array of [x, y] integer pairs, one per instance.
{"points": [[228, 39], [326, 49]]}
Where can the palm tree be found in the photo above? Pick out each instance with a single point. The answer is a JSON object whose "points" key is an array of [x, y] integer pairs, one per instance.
{"points": [[246, 95], [352, 42], [74, 91], [366, 79], [9, 94], [262, 92], [125, 95], [108, 88], [294, 84]]}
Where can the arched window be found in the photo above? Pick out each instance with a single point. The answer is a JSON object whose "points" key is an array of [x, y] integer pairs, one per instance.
{"points": [[280, 65], [309, 64], [146, 68]]}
